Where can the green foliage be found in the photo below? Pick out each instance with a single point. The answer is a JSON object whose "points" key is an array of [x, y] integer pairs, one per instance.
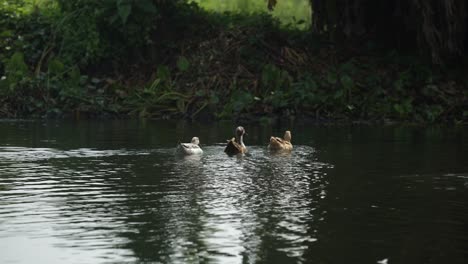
{"points": [[56, 67], [163, 75], [347, 82], [158, 98], [238, 102], [307, 93], [163, 59], [292, 13], [275, 79], [16, 66], [80, 40], [92, 31], [183, 64], [404, 108], [16, 71], [23, 32], [124, 8]]}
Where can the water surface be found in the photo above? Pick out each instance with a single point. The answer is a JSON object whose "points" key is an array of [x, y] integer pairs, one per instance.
{"points": [[114, 192]]}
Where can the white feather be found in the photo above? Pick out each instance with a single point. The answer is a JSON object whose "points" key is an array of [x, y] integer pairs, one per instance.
{"points": [[190, 148]]}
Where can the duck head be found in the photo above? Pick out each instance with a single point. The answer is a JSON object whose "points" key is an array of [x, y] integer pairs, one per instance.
{"points": [[240, 131], [287, 135], [195, 140]]}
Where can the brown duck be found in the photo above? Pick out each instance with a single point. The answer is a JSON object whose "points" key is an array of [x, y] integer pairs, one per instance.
{"points": [[277, 144], [236, 144]]}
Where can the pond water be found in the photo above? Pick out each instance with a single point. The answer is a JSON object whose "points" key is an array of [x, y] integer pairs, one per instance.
{"points": [[114, 192], [295, 13]]}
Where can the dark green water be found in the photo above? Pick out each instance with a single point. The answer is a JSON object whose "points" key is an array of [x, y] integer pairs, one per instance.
{"points": [[114, 192]]}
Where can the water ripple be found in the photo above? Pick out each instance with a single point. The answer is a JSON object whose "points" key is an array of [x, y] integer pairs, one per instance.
{"points": [[207, 208], [81, 196]]}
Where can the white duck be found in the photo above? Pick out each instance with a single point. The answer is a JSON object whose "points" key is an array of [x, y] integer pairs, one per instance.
{"points": [[190, 148]]}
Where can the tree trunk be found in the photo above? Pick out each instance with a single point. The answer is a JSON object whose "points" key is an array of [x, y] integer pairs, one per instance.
{"points": [[437, 28]]}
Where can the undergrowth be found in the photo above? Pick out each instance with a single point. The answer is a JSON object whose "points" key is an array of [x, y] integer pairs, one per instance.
{"points": [[178, 61]]}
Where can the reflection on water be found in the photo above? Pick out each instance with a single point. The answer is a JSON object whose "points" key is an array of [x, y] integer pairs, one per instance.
{"points": [[252, 198], [202, 207], [350, 196]]}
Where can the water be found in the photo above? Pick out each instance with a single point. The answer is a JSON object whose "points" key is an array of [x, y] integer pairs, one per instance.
{"points": [[114, 192]]}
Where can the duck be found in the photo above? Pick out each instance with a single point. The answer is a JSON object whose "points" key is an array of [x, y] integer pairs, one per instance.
{"points": [[281, 144], [190, 148], [236, 144]]}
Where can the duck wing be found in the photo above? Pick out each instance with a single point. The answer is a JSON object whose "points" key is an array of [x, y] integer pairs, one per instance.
{"points": [[276, 141], [232, 147], [279, 143], [188, 145], [189, 148]]}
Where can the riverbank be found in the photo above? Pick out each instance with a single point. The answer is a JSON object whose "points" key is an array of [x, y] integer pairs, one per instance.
{"points": [[211, 66]]}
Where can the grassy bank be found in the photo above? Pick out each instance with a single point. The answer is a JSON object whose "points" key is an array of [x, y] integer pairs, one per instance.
{"points": [[193, 64]]}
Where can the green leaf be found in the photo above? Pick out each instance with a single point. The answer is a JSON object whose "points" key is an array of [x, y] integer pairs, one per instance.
{"points": [[124, 8], [6, 34], [332, 78], [200, 93], [183, 64], [398, 108], [163, 73], [147, 6], [155, 84], [75, 74], [56, 66], [338, 94], [311, 85], [16, 64], [240, 100], [181, 105], [399, 85], [348, 67], [347, 82], [214, 99]]}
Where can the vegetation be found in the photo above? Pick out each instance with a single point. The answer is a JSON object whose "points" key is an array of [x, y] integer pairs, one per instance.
{"points": [[296, 13], [437, 28], [171, 59]]}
